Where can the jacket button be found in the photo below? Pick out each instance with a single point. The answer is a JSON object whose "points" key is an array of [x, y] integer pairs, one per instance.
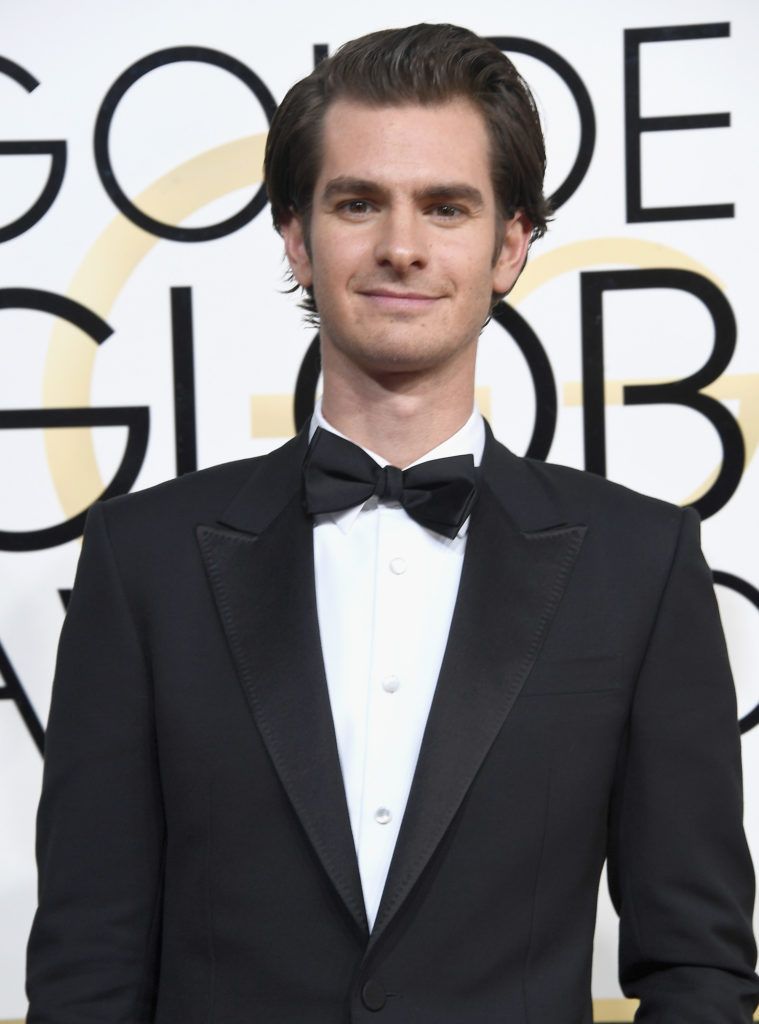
{"points": [[373, 995]]}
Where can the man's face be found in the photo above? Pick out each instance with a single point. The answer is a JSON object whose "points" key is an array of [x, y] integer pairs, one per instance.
{"points": [[405, 243]]}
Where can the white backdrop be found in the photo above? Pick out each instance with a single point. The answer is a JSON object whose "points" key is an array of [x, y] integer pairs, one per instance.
{"points": [[184, 144]]}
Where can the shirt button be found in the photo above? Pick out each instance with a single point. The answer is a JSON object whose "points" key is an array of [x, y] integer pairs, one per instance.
{"points": [[390, 684], [398, 566], [382, 816]]}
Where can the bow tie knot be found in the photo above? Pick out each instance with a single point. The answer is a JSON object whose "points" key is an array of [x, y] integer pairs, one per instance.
{"points": [[337, 474], [389, 484]]}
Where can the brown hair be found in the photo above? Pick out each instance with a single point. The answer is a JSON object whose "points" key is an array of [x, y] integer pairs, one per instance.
{"points": [[425, 64]]}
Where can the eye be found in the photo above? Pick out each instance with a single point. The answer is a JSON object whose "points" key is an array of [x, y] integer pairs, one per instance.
{"points": [[446, 211], [356, 207]]}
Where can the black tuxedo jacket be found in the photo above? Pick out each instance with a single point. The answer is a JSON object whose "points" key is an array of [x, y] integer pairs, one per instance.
{"points": [[195, 853]]}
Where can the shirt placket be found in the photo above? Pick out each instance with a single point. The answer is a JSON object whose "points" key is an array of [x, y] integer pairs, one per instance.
{"points": [[381, 810]]}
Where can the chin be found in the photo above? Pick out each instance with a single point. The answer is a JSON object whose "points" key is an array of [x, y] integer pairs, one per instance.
{"points": [[406, 357], [398, 348]]}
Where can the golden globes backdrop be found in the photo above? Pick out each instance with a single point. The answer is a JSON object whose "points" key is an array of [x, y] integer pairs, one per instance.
{"points": [[144, 333]]}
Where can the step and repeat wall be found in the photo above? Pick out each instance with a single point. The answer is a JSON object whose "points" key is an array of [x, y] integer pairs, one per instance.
{"points": [[145, 330]]}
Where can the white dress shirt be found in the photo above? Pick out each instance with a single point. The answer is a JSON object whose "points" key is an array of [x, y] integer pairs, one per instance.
{"points": [[385, 591]]}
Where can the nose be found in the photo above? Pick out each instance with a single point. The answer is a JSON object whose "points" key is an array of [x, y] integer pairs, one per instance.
{"points": [[401, 240]]}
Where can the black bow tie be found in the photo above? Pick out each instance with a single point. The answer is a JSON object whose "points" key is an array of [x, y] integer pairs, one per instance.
{"points": [[337, 474]]}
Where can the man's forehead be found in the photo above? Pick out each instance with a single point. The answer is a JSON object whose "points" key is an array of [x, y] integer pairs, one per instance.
{"points": [[432, 142], [343, 108]]}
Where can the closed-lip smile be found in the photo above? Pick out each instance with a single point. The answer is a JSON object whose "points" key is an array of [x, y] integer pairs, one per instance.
{"points": [[392, 297]]}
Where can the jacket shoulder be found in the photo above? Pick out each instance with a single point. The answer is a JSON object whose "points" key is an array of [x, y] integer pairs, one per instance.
{"points": [[621, 523], [592, 495], [193, 497]]}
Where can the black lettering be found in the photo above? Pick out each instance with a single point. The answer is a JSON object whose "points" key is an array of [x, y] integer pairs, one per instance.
{"points": [[740, 586], [687, 392], [114, 96], [305, 386], [542, 378], [185, 444], [635, 125], [581, 96], [13, 690], [55, 149], [135, 418]]}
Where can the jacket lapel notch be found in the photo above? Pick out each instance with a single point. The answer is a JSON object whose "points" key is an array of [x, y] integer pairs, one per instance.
{"points": [[274, 481]]}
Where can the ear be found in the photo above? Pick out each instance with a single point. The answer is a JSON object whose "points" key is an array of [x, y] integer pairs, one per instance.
{"points": [[511, 258], [296, 251]]}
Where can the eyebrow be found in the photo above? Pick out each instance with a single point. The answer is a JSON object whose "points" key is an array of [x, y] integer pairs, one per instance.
{"points": [[345, 185]]}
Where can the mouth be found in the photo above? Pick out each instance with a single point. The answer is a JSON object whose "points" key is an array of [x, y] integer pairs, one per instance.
{"points": [[393, 300]]}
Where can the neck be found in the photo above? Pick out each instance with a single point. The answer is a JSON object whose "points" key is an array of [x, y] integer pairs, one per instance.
{"points": [[399, 415]]}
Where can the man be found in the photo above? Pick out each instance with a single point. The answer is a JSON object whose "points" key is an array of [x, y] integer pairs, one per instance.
{"points": [[334, 742]]}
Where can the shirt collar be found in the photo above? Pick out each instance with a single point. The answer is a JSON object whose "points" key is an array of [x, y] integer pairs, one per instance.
{"points": [[468, 440]]}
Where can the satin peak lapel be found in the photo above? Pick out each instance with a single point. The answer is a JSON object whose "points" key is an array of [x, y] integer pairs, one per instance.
{"points": [[511, 584], [263, 585]]}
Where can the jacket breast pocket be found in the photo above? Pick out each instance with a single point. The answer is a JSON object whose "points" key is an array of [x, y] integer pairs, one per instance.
{"points": [[585, 674]]}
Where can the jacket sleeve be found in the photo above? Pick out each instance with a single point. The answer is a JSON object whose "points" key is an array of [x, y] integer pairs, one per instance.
{"points": [[680, 873], [92, 953]]}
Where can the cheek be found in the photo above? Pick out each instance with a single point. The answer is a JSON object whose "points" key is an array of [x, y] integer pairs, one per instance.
{"points": [[329, 286], [337, 262], [475, 274]]}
